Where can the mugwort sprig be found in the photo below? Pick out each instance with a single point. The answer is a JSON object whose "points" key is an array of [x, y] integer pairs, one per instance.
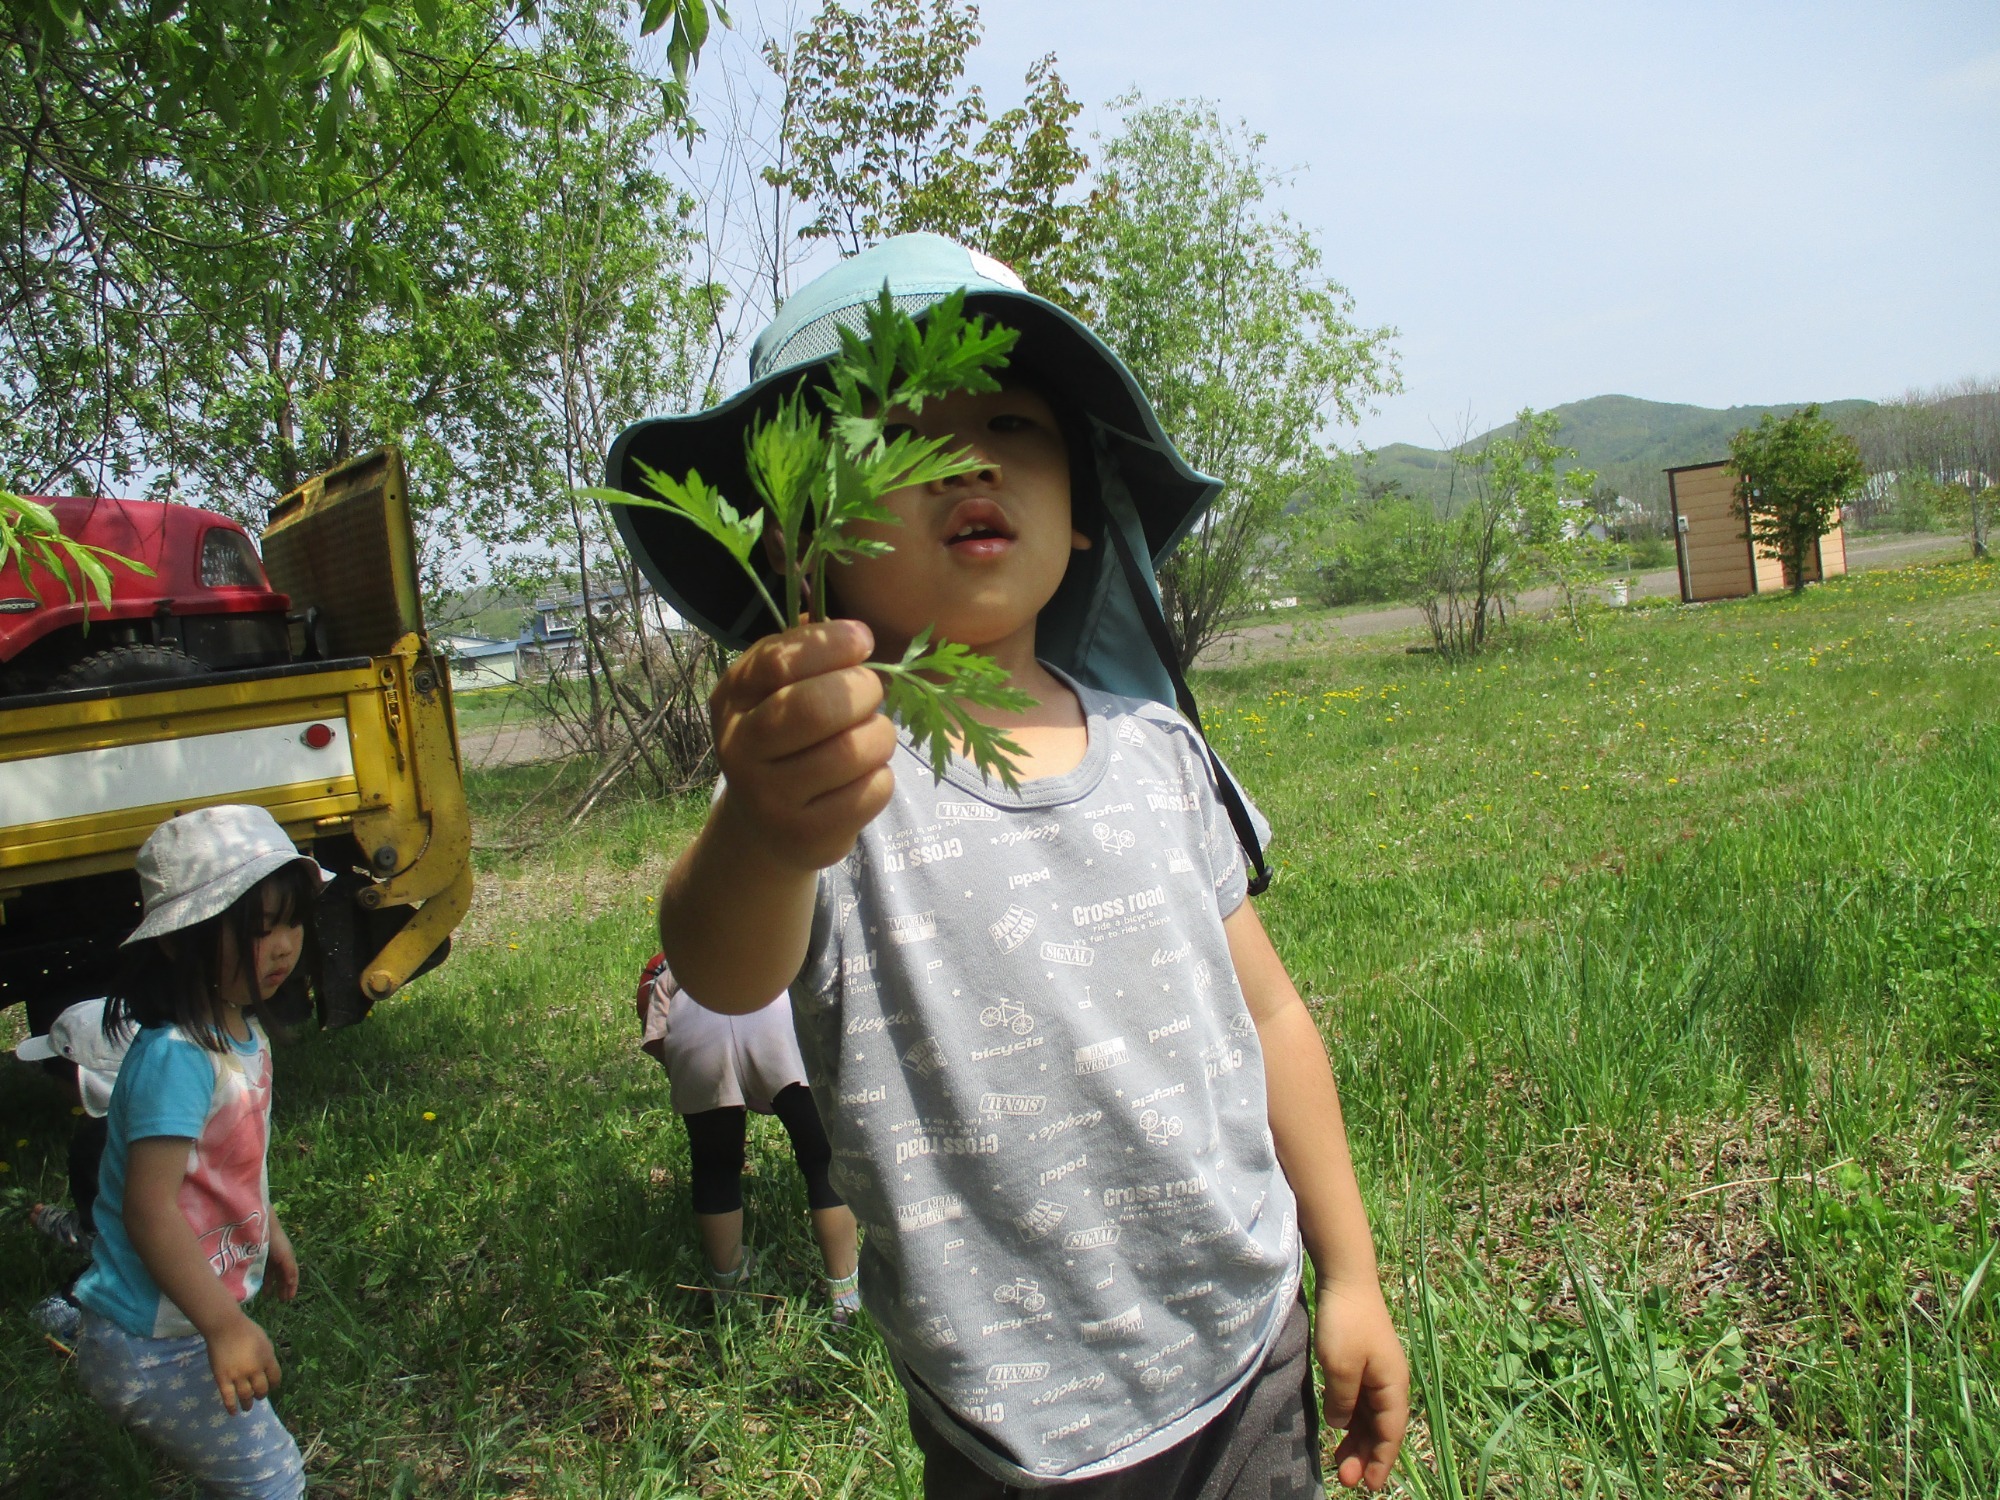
{"points": [[818, 465]]}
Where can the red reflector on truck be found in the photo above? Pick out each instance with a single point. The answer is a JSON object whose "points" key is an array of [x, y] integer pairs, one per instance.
{"points": [[318, 736]]}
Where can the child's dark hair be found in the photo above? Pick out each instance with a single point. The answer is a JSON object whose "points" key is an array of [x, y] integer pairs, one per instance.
{"points": [[172, 979]]}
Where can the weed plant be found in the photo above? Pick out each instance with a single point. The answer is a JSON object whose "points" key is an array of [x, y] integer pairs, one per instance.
{"points": [[1661, 973]]}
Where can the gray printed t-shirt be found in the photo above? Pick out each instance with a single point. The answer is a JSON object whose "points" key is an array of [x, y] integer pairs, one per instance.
{"points": [[1046, 1099]]}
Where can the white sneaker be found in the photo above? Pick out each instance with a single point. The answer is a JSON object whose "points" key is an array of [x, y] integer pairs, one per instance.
{"points": [[63, 1225], [58, 1317]]}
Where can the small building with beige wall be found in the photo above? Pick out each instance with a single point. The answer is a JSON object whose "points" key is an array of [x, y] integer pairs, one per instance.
{"points": [[1717, 560]]}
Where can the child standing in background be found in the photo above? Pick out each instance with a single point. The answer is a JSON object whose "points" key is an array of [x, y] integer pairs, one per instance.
{"points": [[185, 1229], [87, 1058], [718, 1069]]}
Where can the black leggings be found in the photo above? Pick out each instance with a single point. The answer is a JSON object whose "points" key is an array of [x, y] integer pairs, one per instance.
{"points": [[86, 1153], [715, 1149]]}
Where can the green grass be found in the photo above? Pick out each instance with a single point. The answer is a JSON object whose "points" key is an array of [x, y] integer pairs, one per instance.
{"points": [[1662, 976], [487, 707]]}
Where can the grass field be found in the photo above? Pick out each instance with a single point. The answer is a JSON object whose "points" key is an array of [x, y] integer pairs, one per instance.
{"points": [[1662, 976]]}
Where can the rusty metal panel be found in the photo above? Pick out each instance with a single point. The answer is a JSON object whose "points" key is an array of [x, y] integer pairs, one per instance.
{"points": [[342, 543]]}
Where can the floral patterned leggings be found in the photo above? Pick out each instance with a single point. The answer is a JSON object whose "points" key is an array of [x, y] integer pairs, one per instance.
{"points": [[162, 1390]]}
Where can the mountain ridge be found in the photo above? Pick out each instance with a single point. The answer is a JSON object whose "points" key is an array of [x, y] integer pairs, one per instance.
{"points": [[1628, 440]]}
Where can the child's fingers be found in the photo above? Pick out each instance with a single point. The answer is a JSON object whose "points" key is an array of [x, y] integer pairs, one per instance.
{"points": [[838, 812], [843, 757], [1364, 1458], [804, 652], [801, 715], [1343, 1385], [1367, 1451]]}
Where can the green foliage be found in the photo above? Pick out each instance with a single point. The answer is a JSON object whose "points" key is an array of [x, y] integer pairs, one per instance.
{"points": [[1553, 497], [255, 237], [1792, 476], [1218, 302], [881, 136], [1370, 551], [1949, 968], [1513, 515], [815, 479], [691, 20]]}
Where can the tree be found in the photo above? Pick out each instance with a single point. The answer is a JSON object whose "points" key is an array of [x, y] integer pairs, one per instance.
{"points": [[1792, 475], [1217, 302], [880, 136], [1554, 504], [167, 167], [1509, 513], [1941, 449], [584, 249]]}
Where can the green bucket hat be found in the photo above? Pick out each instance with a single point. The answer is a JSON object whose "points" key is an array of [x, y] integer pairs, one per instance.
{"points": [[1130, 486], [1145, 489]]}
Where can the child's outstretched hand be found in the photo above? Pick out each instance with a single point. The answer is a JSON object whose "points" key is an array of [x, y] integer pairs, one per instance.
{"points": [[803, 745], [1367, 1381], [244, 1363]]}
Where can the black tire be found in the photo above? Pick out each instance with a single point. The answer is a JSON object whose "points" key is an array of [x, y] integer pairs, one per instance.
{"points": [[340, 933], [121, 665]]}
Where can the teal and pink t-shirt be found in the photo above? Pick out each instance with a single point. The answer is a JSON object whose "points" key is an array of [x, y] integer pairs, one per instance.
{"points": [[220, 1102]]}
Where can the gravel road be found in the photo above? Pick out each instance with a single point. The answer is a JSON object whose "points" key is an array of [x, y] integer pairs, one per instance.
{"points": [[1256, 642]]}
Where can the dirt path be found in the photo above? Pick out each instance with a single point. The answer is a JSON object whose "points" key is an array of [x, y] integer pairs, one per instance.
{"points": [[1258, 642], [518, 743]]}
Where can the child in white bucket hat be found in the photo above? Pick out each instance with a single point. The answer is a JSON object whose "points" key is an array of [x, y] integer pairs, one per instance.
{"points": [[78, 1048], [185, 1229]]}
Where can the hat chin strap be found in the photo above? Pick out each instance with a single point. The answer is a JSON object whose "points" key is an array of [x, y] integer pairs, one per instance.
{"points": [[1122, 522]]}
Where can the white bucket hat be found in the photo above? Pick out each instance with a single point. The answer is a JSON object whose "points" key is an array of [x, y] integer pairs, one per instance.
{"points": [[196, 866], [78, 1034]]}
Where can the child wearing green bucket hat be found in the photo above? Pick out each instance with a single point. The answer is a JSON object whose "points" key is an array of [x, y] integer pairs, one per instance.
{"points": [[1079, 1110]]}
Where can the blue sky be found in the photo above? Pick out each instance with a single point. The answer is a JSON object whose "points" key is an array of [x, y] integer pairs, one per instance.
{"points": [[1720, 204]]}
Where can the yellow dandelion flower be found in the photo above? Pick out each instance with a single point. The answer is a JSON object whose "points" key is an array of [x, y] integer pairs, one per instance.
{"points": [[430, 1114]]}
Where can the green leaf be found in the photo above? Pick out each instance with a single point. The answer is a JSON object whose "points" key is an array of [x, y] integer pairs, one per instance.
{"points": [[95, 574], [910, 460], [692, 499], [785, 454], [928, 691], [36, 516]]}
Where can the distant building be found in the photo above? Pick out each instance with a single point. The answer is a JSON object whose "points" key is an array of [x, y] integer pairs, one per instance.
{"points": [[1717, 558], [564, 613], [480, 663]]}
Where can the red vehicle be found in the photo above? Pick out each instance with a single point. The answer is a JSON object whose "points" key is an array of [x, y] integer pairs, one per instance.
{"points": [[207, 606]]}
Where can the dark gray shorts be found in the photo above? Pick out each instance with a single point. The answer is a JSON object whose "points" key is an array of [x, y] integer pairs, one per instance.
{"points": [[1264, 1446]]}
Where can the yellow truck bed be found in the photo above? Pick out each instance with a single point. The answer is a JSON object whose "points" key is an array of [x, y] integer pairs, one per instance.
{"points": [[356, 756]]}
